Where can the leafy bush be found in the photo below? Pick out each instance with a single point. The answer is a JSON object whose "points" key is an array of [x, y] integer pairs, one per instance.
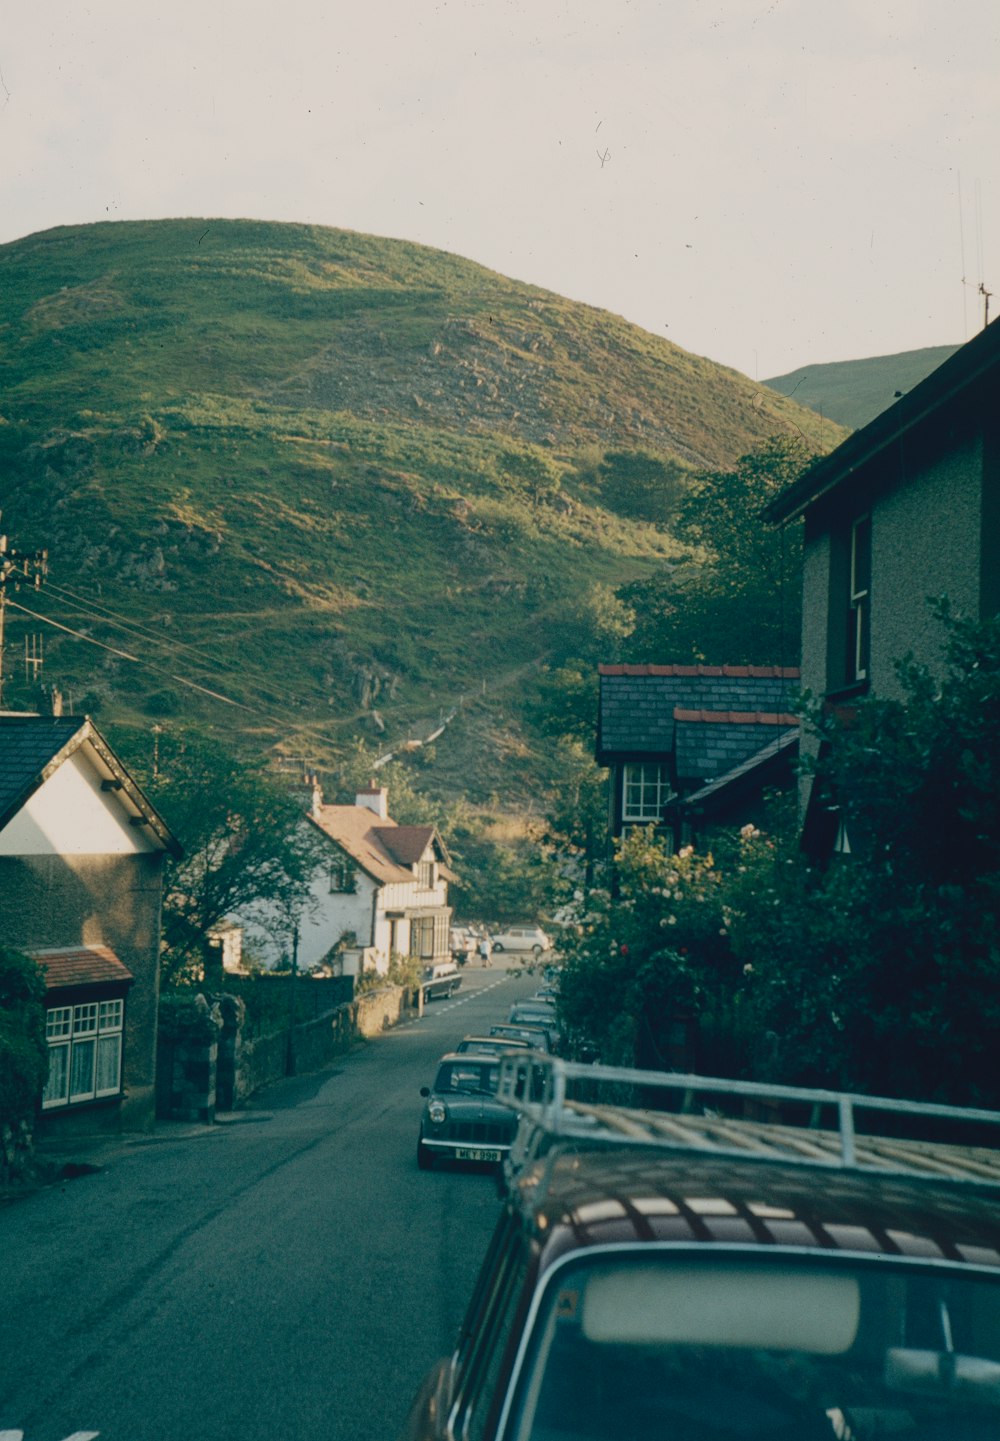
{"points": [[24, 1056]]}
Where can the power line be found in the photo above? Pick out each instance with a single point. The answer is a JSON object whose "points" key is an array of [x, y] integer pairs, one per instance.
{"points": [[103, 615], [125, 655]]}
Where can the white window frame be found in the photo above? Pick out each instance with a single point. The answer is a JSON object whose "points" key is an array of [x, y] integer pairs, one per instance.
{"points": [[422, 937], [652, 780], [860, 601], [69, 1030], [342, 877]]}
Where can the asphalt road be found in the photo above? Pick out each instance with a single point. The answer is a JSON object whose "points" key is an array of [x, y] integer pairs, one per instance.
{"points": [[287, 1275]]}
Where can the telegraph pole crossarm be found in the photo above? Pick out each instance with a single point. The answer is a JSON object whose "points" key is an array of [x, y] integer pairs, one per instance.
{"points": [[17, 568]]}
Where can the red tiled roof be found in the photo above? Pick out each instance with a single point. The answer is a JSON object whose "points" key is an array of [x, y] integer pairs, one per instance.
{"points": [[784, 672], [736, 717], [81, 966], [406, 844], [355, 830]]}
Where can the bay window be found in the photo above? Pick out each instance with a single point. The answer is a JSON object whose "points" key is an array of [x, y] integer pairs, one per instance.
{"points": [[85, 1052]]}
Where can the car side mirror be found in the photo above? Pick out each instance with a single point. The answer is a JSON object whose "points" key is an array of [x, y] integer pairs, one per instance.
{"points": [[425, 1090], [431, 1407]]}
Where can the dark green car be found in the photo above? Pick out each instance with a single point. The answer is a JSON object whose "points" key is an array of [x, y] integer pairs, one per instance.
{"points": [[462, 1119]]}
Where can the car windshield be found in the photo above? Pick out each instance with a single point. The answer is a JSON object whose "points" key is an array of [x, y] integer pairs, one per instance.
{"points": [[470, 1076], [787, 1350]]}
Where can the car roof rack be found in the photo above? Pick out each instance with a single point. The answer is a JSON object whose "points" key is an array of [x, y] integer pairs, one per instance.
{"points": [[579, 1104]]}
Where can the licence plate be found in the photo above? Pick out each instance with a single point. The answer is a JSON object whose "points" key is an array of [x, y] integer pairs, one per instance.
{"points": [[464, 1153]]}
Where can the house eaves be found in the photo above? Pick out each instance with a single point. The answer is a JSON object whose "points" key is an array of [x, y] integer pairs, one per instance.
{"points": [[962, 370], [67, 737]]}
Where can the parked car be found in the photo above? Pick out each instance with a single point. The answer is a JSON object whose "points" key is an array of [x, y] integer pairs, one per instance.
{"points": [[462, 1119], [531, 1008], [492, 1045], [694, 1276], [525, 1013], [537, 1037], [441, 979], [522, 938]]}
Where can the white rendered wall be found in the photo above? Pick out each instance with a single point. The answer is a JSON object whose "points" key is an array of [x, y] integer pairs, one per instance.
{"points": [[69, 815]]}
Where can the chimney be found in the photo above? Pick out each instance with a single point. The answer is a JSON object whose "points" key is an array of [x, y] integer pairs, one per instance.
{"points": [[374, 798]]}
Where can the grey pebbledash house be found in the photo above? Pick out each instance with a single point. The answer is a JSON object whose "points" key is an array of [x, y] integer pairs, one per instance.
{"points": [[81, 860], [690, 747], [905, 509]]}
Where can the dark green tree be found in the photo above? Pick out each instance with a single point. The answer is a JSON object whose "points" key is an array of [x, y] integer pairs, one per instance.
{"points": [[24, 1057], [738, 599], [247, 847], [881, 972]]}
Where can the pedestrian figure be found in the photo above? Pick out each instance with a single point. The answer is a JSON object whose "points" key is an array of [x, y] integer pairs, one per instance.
{"points": [[486, 951]]}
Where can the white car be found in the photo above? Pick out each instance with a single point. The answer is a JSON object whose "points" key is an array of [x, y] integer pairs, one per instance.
{"points": [[522, 938]]}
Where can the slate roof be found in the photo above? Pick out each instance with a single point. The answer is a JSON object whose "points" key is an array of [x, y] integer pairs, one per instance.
{"points": [[27, 745], [637, 702], [785, 746], [33, 747], [710, 743], [80, 966]]}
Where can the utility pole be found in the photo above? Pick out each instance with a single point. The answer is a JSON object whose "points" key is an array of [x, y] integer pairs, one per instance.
{"points": [[987, 296], [17, 568]]}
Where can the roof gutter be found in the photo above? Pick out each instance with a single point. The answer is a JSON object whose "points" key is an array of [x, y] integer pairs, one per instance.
{"points": [[940, 387]]}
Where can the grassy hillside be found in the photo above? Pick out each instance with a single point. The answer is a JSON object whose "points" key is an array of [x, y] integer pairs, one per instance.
{"points": [[344, 484], [853, 392]]}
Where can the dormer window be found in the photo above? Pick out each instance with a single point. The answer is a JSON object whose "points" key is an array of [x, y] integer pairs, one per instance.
{"points": [[426, 874]]}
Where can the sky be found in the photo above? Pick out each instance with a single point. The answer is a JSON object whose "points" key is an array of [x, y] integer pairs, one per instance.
{"points": [[769, 183]]}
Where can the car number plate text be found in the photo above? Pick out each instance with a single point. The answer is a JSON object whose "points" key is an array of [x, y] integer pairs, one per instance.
{"points": [[465, 1153]]}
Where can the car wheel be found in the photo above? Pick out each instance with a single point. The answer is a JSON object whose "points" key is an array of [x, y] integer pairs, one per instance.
{"points": [[497, 946], [536, 950], [425, 1157]]}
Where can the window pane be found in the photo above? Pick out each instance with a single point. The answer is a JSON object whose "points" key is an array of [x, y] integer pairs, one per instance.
{"points": [[55, 1092], [58, 1022], [109, 1053], [85, 1019], [111, 1015], [647, 789], [82, 1070]]}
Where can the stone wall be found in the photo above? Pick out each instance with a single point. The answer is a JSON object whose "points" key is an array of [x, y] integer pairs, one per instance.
{"points": [[187, 1061], [17, 1152], [377, 1011], [208, 1061]]}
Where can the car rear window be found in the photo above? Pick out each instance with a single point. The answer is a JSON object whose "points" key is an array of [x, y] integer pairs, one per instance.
{"points": [[782, 1348]]}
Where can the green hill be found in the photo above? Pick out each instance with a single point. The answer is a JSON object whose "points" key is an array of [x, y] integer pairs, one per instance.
{"points": [[343, 484], [853, 392]]}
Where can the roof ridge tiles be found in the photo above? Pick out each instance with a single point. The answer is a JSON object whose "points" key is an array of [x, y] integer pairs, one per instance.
{"points": [[756, 672], [734, 717]]}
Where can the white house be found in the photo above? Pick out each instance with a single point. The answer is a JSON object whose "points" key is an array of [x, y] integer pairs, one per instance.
{"points": [[382, 891]]}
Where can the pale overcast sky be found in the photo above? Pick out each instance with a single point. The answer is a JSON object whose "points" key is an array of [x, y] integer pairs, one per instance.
{"points": [[769, 183]]}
